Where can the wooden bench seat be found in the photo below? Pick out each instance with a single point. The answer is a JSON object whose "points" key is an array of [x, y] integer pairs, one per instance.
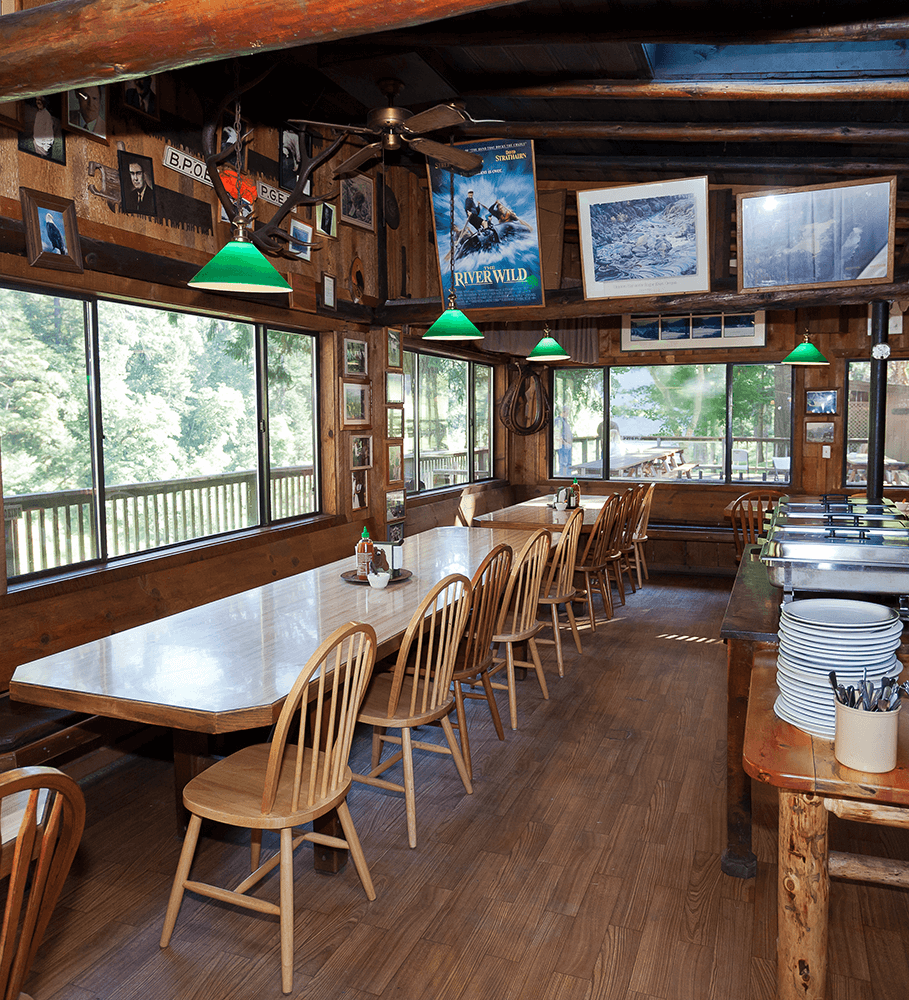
{"points": [[30, 734]]}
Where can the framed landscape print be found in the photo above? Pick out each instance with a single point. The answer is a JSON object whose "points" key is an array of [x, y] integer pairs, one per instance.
{"points": [[301, 239], [355, 355], [817, 237], [395, 463], [51, 233], [719, 330], [645, 239], [394, 347], [354, 404], [394, 387], [395, 421], [394, 505], [820, 401], [361, 452]]}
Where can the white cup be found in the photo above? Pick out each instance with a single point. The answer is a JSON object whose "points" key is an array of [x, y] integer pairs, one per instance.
{"points": [[378, 580], [561, 505], [866, 741]]}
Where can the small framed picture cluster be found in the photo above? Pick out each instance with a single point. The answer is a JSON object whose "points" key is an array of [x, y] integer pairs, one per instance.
{"points": [[394, 432], [355, 415]]}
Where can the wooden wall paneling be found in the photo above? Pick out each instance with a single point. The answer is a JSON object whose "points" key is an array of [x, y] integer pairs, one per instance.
{"points": [[551, 213]]}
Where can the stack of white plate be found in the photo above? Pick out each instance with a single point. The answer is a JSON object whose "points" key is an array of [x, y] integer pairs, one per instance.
{"points": [[857, 639]]}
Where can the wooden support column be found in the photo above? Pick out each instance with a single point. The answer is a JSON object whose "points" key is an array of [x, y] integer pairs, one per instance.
{"points": [[803, 891], [877, 400]]}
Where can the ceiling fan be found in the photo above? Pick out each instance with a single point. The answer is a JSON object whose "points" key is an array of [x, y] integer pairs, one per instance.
{"points": [[395, 127]]}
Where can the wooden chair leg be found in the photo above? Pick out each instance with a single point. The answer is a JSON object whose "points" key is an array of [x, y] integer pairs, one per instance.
{"points": [[356, 851], [462, 726], [377, 733], [512, 685], [410, 798], [255, 849], [605, 592], [456, 753], [493, 707], [176, 892], [287, 910], [574, 626], [588, 590], [538, 667]]}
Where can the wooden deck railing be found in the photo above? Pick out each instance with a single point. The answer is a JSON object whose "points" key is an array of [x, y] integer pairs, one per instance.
{"points": [[49, 530]]}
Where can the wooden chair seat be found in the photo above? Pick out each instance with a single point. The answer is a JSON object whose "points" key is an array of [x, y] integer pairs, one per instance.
{"points": [[374, 710], [282, 785]]}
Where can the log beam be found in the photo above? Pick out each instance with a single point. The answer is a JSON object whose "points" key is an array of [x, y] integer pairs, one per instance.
{"points": [[71, 43]]}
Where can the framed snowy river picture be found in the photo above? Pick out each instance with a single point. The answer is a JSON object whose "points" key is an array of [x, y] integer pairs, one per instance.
{"points": [[645, 239]]}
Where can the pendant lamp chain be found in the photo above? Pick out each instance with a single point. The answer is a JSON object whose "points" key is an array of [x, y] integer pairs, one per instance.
{"points": [[451, 228]]}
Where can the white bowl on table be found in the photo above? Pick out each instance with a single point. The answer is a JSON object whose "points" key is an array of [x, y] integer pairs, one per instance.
{"points": [[379, 581]]}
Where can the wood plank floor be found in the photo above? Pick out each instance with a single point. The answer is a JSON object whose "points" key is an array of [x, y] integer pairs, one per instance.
{"points": [[585, 866]]}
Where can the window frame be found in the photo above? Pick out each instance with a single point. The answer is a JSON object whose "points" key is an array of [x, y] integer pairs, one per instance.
{"points": [[95, 436]]}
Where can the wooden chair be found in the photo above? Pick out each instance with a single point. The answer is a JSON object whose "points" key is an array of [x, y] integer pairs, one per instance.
{"points": [[281, 785], [418, 691], [617, 558], [42, 815], [558, 585], [593, 563], [640, 536], [747, 516], [517, 622], [474, 658]]}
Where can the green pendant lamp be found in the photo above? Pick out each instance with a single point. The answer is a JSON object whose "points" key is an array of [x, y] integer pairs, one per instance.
{"points": [[805, 354], [548, 349], [239, 267], [452, 324]]}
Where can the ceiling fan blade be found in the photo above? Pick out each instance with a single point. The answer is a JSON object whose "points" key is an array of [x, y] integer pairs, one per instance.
{"points": [[449, 156], [361, 129], [361, 156], [441, 116]]}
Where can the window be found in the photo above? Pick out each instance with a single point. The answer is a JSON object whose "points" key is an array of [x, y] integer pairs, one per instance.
{"points": [[896, 433], [154, 412], [706, 422], [447, 421]]}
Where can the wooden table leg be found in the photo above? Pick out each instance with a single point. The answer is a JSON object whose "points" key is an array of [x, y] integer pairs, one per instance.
{"points": [[803, 893], [738, 859]]}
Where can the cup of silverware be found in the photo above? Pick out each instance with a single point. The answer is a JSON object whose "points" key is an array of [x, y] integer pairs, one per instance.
{"points": [[867, 721]]}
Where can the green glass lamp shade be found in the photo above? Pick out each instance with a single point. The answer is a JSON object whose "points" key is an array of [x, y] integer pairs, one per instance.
{"points": [[239, 267], [805, 354], [452, 325], [548, 349]]}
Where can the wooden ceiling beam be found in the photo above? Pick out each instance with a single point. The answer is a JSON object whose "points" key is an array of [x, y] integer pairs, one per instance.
{"points": [[689, 132], [598, 165], [71, 43], [712, 90]]}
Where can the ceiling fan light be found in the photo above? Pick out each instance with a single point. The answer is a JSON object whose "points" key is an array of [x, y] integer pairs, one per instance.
{"points": [[239, 267], [548, 349], [805, 354], [452, 325]]}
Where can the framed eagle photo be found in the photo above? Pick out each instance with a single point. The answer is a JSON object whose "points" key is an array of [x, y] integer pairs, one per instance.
{"points": [[51, 232]]}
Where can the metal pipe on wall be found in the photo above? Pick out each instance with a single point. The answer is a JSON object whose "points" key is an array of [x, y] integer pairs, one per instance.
{"points": [[877, 400]]}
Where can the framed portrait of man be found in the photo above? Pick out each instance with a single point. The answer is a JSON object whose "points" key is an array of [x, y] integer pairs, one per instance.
{"points": [[137, 184], [86, 112]]}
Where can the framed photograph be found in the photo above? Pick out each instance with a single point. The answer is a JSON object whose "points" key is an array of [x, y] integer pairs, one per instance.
{"points": [[820, 401], [817, 237], [394, 533], [395, 463], [819, 433], [86, 112], [142, 95], [359, 489], [301, 239], [684, 332], [394, 422], [137, 184], [394, 505], [355, 357], [645, 239], [354, 404], [394, 387], [42, 133], [51, 234], [326, 219], [361, 452], [358, 198], [292, 145], [394, 347], [328, 291]]}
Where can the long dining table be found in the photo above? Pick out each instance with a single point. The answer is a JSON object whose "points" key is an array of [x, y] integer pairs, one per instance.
{"points": [[228, 665], [540, 513]]}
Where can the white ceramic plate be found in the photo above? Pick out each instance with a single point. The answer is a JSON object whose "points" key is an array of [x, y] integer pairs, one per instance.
{"points": [[839, 613], [879, 632], [806, 725]]}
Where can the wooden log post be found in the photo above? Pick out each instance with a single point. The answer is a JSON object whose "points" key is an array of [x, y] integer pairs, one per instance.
{"points": [[803, 894]]}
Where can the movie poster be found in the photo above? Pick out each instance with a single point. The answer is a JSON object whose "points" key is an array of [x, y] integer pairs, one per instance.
{"points": [[496, 232]]}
